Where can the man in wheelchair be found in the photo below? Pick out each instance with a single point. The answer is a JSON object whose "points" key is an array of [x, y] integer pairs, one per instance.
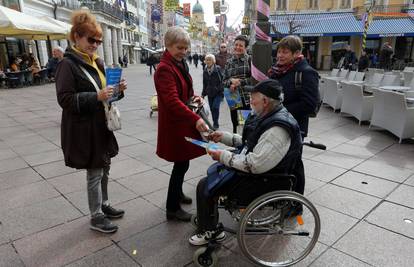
{"points": [[271, 145]]}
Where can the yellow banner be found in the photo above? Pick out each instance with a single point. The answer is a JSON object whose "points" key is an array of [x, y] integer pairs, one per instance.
{"points": [[171, 5]]}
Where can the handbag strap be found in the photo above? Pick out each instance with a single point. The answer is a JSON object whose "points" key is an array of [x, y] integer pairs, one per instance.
{"points": [[92, 80]]}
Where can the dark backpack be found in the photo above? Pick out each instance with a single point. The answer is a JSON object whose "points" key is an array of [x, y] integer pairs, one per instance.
{"points": [[298, 86]]}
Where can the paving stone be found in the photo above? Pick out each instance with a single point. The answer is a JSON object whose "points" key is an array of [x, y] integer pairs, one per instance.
{"points": [[343, 200], [54, 169], [43, 157], [366, 184], [47, 249], [107, 257], [124, 140], [168, 247], [127, 168], [333, 257], [338, 159], [12, 164], [35, 148], [374, 140], [393, 217], [18, 178], [27, 220], [401, 149], [403, 195], [395, 160], [377, 246], [312, 184], [139, 215], [146, 182], [379, 168], [410, 181], [320, 171], [7, 153], [69, 183], [9, 257], [116, 193], [30, 138], [25, 195], [355, 151], [228, 258]]}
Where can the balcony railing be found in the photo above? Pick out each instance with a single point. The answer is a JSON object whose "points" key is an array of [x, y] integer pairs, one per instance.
{"points": [[104, 7], [131, 19], [386, 9]]}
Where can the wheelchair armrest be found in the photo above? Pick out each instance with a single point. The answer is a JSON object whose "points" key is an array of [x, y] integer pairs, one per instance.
{"points": [[282, 177]]}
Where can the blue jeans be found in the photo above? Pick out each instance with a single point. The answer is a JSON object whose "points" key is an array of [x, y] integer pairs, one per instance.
{"points": [[214, 103]]}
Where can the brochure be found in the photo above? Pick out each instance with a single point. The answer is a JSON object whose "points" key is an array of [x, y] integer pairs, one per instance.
{"points": [[113, 78], [233, 98], [242, 115], [206, 145]]}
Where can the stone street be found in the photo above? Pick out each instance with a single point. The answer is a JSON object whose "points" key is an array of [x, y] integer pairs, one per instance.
{"points": [[362, 186]]}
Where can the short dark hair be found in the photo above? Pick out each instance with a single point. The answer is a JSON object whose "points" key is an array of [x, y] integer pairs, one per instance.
{"points": [[291, 42], [242, 38]]}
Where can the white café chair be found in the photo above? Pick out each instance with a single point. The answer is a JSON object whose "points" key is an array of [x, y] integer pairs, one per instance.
{"points": [[351, 75], [391, 112], [322, 81], [359, 76], [355, 102], [333, 94], [408, 77], [374, 82]]}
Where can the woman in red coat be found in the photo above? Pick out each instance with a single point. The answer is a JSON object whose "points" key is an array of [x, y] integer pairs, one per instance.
{"points": [[175, 120]]}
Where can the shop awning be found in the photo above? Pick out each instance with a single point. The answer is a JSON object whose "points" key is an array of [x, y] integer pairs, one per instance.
{"points": [[391, 27], [317, 24], [150, 50]]}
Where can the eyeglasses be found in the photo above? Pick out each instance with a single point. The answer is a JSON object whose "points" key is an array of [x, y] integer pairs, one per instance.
{"points": [[93, 40]]}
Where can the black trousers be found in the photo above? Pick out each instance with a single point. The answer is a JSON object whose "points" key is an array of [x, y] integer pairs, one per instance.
{"points": [[175, 188], [234, 120], [151, 67]]}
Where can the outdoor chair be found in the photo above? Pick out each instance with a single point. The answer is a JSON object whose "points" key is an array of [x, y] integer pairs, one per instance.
{"points": [[333, 94], [351, 75], [391, 112], [408, 77], [359, 76], [14, 79], [374, 81], [355, 102]]}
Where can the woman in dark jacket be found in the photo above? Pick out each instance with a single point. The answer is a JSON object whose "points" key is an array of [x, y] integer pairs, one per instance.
{"points": [[300, 98], [174, 87], [85, 139], [213, 87]]}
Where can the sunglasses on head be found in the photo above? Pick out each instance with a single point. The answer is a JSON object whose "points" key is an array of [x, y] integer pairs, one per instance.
{"points": [[92, 40]]}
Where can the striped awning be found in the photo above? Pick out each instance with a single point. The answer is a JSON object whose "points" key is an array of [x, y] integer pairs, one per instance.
{"points": [[317, 24], [391, 27]]}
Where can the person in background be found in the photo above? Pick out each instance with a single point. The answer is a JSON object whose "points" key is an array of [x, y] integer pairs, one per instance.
{"points": [[374, 59], [222, 56], [300, 102], [385, 56], [85, 139], [34, 64], [237, 75], [363, 62], [213, 87], [15, 64], [350, 58], [203, 63], [189, 58], [151, 62], [125, 60], [174, 87], [52, 63], [195, 59]]}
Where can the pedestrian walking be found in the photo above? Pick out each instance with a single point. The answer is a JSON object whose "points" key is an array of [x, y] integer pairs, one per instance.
{"points": [[213, 87], [85, 139], [363, 62], [350, 59], [151, 62], [174, 87], [237, 75], [385, 56], [125, 60], [222, 56], [195, 59], [203, 64]]}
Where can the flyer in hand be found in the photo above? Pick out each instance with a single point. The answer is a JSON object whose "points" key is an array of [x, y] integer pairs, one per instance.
{"points": [[233, 98], [113, 78], [206, 145]]}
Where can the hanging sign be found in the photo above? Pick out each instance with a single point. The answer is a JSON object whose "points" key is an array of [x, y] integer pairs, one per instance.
{"points": [[171, 5], [187, 10]]}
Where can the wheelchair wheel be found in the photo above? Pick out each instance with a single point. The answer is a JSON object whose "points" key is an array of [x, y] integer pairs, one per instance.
{"points": [[278, 229], [203, 260]]}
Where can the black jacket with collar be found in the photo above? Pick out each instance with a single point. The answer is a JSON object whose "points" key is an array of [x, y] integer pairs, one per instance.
{"points": [[212, 82]]}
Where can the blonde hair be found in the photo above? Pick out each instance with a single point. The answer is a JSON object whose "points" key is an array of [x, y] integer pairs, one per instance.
{"points": [[210, 56], [84, 24], [176, 35]]}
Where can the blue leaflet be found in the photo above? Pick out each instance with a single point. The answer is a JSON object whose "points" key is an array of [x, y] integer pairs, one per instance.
{"points": [[113, 78], [203, 144]]}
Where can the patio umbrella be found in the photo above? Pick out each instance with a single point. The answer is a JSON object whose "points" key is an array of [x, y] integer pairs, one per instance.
{"points": [[18, 24]]}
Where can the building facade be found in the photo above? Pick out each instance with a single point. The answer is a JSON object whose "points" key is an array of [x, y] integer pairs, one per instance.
{"points": [[327, 26]]}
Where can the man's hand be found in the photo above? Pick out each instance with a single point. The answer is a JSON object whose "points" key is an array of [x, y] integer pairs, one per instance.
{"points": [[123, 85], [201, 126], [215, 154], [215, 136]]}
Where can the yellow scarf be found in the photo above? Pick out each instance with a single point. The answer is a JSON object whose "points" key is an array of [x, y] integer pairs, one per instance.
{"points": [[92, 62]]}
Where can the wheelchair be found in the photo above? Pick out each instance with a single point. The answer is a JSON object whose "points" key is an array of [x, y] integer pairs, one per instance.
{"points": [[276, 226]]}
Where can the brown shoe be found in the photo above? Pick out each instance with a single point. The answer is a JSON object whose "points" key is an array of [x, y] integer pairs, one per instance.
{"points": [[180, 215]]}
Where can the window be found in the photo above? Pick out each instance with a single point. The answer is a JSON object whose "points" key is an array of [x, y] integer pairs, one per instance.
{"points": [[345, 4], [281, 5], [313, 4]]}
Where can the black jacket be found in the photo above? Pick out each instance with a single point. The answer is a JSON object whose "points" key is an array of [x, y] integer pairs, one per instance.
{"points": [[302, 102], [85, 139], [363, 63], [212, 83]]}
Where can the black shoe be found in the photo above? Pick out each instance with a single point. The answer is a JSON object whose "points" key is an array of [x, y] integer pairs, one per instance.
{"points": [[102, 224], [111, 212], [180, 215], [186, 200]]}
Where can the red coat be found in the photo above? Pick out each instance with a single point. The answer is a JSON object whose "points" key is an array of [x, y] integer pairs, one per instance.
{"points": [[175, 119]]}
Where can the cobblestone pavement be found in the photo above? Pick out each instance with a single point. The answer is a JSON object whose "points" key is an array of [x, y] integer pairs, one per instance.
{"points": [[362, 186]]}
